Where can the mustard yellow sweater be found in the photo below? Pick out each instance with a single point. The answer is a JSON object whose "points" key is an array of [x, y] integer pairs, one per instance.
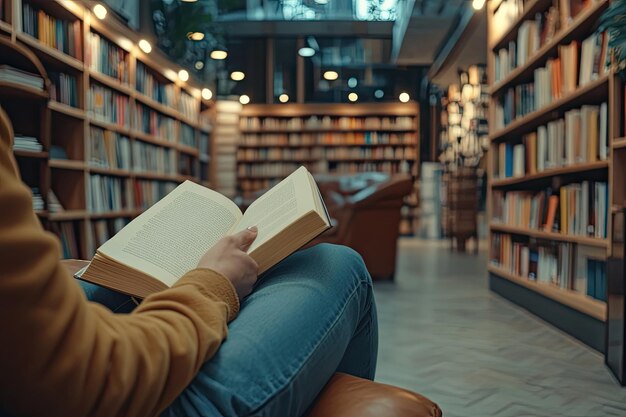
{"points": [[61, 355]]}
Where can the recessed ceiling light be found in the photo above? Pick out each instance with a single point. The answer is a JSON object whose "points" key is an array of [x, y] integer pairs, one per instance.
{"points": [[189, 1], [331, 75], [404, 97], [322, 2], [379, 93], [478, 4], [183, 75], [199, 65], [306, 52], [237, 75], [283, 98], [352, 82], [145, 46], [244, 99], [100, 11], [353, 97], [207, 94], [195, 36], [219, 54]]}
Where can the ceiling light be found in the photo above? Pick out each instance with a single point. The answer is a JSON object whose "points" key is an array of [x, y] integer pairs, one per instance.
{"points": [[198, 65], [322, 2], [219, 54], [306, 52], [478, 4], [283, 98], [353, 97], [352, 82], [100, 11], [244, 99], [331, 75], [189, 1], [237, 75], [404, 97], [195, 36], [145, 46], [379, 93], [207, 94], [183, 75]]}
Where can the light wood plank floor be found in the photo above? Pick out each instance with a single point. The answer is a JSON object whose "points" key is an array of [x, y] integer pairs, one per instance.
{"points": [[445, 335]]}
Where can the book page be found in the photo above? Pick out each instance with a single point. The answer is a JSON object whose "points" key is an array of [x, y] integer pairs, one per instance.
{"points": [[169, 238], [279, 207]]}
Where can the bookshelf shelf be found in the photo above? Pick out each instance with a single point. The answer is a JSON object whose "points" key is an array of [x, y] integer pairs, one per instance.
{"points": [[327, 130], [619, 143], [57, 107], [29, 154], [577, 301], [540, 234], [155, 105], [109, 126], [8, 89], [144, 137], [549, 173], [188, 150], [592, 92], [110, 171], [111, 83], [531, 8], [68, 215], [50, 53], [6, 27], [67, 164], [158, 176], [577, 29]]}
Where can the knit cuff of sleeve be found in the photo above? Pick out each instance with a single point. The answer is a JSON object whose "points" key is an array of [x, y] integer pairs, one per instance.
{"points": [[213, 284]]}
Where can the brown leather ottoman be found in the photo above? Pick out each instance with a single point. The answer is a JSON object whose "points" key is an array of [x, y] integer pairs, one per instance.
{"points": [[348, 396]]}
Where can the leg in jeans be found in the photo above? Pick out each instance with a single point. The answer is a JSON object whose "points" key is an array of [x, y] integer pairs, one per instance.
{"points": [[309, 316]]}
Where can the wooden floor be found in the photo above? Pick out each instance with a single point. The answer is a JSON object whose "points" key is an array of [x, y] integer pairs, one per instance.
{"points": [[445, 335]]}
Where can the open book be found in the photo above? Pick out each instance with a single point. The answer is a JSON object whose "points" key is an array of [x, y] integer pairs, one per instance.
{"points": [[158, 247]]}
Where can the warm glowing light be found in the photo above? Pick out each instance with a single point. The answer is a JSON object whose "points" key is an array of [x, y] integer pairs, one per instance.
{"points": [[404, 97], [100, 11], [353, 97], [207, 94], [283, 98], [195, 36], [306, 52], [244, 99], [183, 75], [478, 4], [237, 75], [219, 54], [331, 75], [145, 46], [189, 1]]}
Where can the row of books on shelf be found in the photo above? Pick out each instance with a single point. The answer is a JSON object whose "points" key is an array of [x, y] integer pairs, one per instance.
{"points": [[187, 135], [150, 86], [107, 58], [154, 123], [110, 194], [149, 192], [204, 144], [277, 154], [151, 158], [556, 80], [328, 122], [59, 34], [545, 24], [188, 165], [347, 138], [109, 106], [564, 265], [26, 143], [188, 105], [9, 74], [109, 149], [104, 229], [64, 88], [578, 209], [581, 136], [38, 202], [68, 234], [334, 167]]}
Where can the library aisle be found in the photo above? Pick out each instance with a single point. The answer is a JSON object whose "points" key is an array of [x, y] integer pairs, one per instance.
{"points": [[477, 354]]}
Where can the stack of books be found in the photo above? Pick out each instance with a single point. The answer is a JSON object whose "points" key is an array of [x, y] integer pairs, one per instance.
{"points": [[26, 143], [9, 74]]}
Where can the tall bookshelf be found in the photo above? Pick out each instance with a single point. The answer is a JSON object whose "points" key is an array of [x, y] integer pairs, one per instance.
{"points": [[555, 271], [119, 131], [335, 139]]}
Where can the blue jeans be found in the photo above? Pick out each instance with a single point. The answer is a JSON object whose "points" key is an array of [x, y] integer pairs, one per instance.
{"points": [[308, 317]]}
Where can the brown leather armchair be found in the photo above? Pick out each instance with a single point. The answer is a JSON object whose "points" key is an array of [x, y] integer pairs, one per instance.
{"points": [[349, 396], [368, 222]]}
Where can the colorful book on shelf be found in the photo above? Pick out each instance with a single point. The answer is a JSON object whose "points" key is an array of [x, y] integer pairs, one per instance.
{"points": [[59, 34], [287, 216]]}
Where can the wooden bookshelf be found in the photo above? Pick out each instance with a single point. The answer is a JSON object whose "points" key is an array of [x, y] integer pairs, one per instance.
{"points": [[337, 139], [65, 129], [573, 307]]}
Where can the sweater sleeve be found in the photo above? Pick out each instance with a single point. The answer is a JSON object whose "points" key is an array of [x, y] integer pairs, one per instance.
{"points": [[61, 355]]}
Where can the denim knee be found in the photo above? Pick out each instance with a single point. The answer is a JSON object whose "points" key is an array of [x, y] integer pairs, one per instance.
{"points": [[350, 262]]}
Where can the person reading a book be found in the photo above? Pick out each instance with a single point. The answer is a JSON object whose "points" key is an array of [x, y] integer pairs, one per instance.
{"points": [[209, 338]]}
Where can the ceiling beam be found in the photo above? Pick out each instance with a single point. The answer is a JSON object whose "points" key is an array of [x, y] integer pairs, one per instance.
{"points": [[400, 27]]}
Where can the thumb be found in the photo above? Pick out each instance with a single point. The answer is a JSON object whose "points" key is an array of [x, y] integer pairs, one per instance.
{"points": [[244, 239]]}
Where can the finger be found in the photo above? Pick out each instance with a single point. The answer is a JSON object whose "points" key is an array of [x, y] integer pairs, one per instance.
{"points": [[244, 239], [249, 262]]}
